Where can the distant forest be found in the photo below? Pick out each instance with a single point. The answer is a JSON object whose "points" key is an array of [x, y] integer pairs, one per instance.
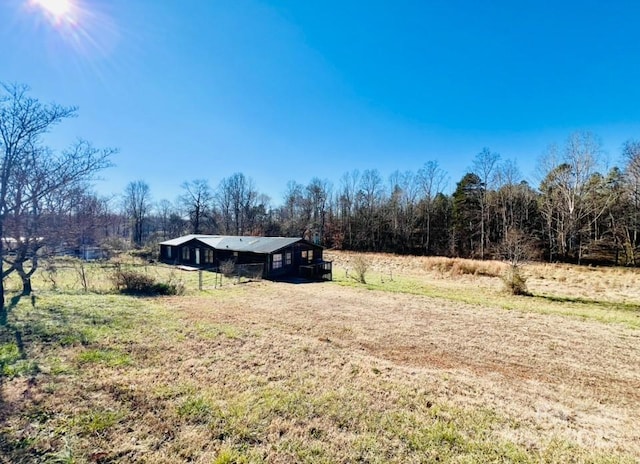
{"points": [[576, 214]]}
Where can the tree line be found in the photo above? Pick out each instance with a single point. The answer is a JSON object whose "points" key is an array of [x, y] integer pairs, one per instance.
{"points": [[578, 212]]}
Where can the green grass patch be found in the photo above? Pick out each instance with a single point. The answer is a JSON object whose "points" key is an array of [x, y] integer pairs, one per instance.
{"points": [[196, 409], [231, 456], [110, 357], [9, 354], [96, 422], [12, 363], [212, 331]]}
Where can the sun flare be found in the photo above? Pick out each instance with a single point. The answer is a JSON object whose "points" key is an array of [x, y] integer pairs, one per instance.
{"points": [[81, 25], [58, 10]]}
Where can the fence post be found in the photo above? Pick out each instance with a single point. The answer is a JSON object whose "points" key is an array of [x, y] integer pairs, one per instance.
{"points": [[200, 279]]}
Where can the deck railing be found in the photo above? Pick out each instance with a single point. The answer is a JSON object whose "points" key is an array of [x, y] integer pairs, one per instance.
{"points": [[317, 271]]}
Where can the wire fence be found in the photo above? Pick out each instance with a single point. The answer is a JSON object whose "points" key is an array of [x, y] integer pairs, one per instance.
{"points": [[72, 274], [226, 274]]}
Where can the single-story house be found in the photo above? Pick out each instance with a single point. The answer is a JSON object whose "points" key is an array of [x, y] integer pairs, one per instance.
{"points": [[280, 256]]}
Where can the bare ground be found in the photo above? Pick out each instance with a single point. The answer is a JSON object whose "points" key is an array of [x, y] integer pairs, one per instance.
{"points": [[556, 376]]}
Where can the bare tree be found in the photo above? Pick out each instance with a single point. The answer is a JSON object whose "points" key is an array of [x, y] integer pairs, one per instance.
{"points": [[318, 193], [347, 203], [431, 180], [402, 205], [164, 208], [260, 220], [507, 179], [236, 196], [197, 200], [571, 182], [76, 220], [30, 172], [631, 158], [484, 166], [137, 205], [224, 200], [370, 197], [292, 212]]}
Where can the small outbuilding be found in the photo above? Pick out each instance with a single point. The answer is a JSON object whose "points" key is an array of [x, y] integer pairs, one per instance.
{"points": [[280, 256]]}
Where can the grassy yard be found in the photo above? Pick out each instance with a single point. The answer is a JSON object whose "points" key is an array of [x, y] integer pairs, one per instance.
{"points": [[420, 366]]}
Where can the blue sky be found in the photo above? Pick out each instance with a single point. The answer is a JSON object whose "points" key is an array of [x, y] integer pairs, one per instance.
{"points": [[289, 90]]}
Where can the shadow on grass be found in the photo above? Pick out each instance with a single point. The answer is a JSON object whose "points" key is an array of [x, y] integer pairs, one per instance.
{"points": [[296, 280], [15, 450], [633, 307], [20, 330], [9, 332], [19, 450], [6, 309], [39, 326]]}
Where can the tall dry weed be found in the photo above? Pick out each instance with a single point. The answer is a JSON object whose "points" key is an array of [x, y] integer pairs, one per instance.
{"points": [[460, 266]]}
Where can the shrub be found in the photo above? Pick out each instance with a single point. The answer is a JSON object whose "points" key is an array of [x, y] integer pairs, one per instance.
{"points": [[168, 288], [146, 254], [115, 245], [515, 282], [137, 283], [360, 268], [50, 272], [228, 267]]}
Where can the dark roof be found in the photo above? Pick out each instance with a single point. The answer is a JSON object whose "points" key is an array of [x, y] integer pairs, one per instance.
{"points": [[181, 240], [236, 243]]}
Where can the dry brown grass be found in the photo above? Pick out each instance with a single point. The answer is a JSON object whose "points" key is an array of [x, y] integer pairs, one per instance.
{"points": [[281, 373], [594, 283], [547, 371], [386, 263], [611, 284]]}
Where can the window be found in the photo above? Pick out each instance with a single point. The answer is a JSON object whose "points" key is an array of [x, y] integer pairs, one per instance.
{"points": [[310, 255], [169, 251], [208, 256], [277, 261], [287, 260], [304, 254], [185, 253]]}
